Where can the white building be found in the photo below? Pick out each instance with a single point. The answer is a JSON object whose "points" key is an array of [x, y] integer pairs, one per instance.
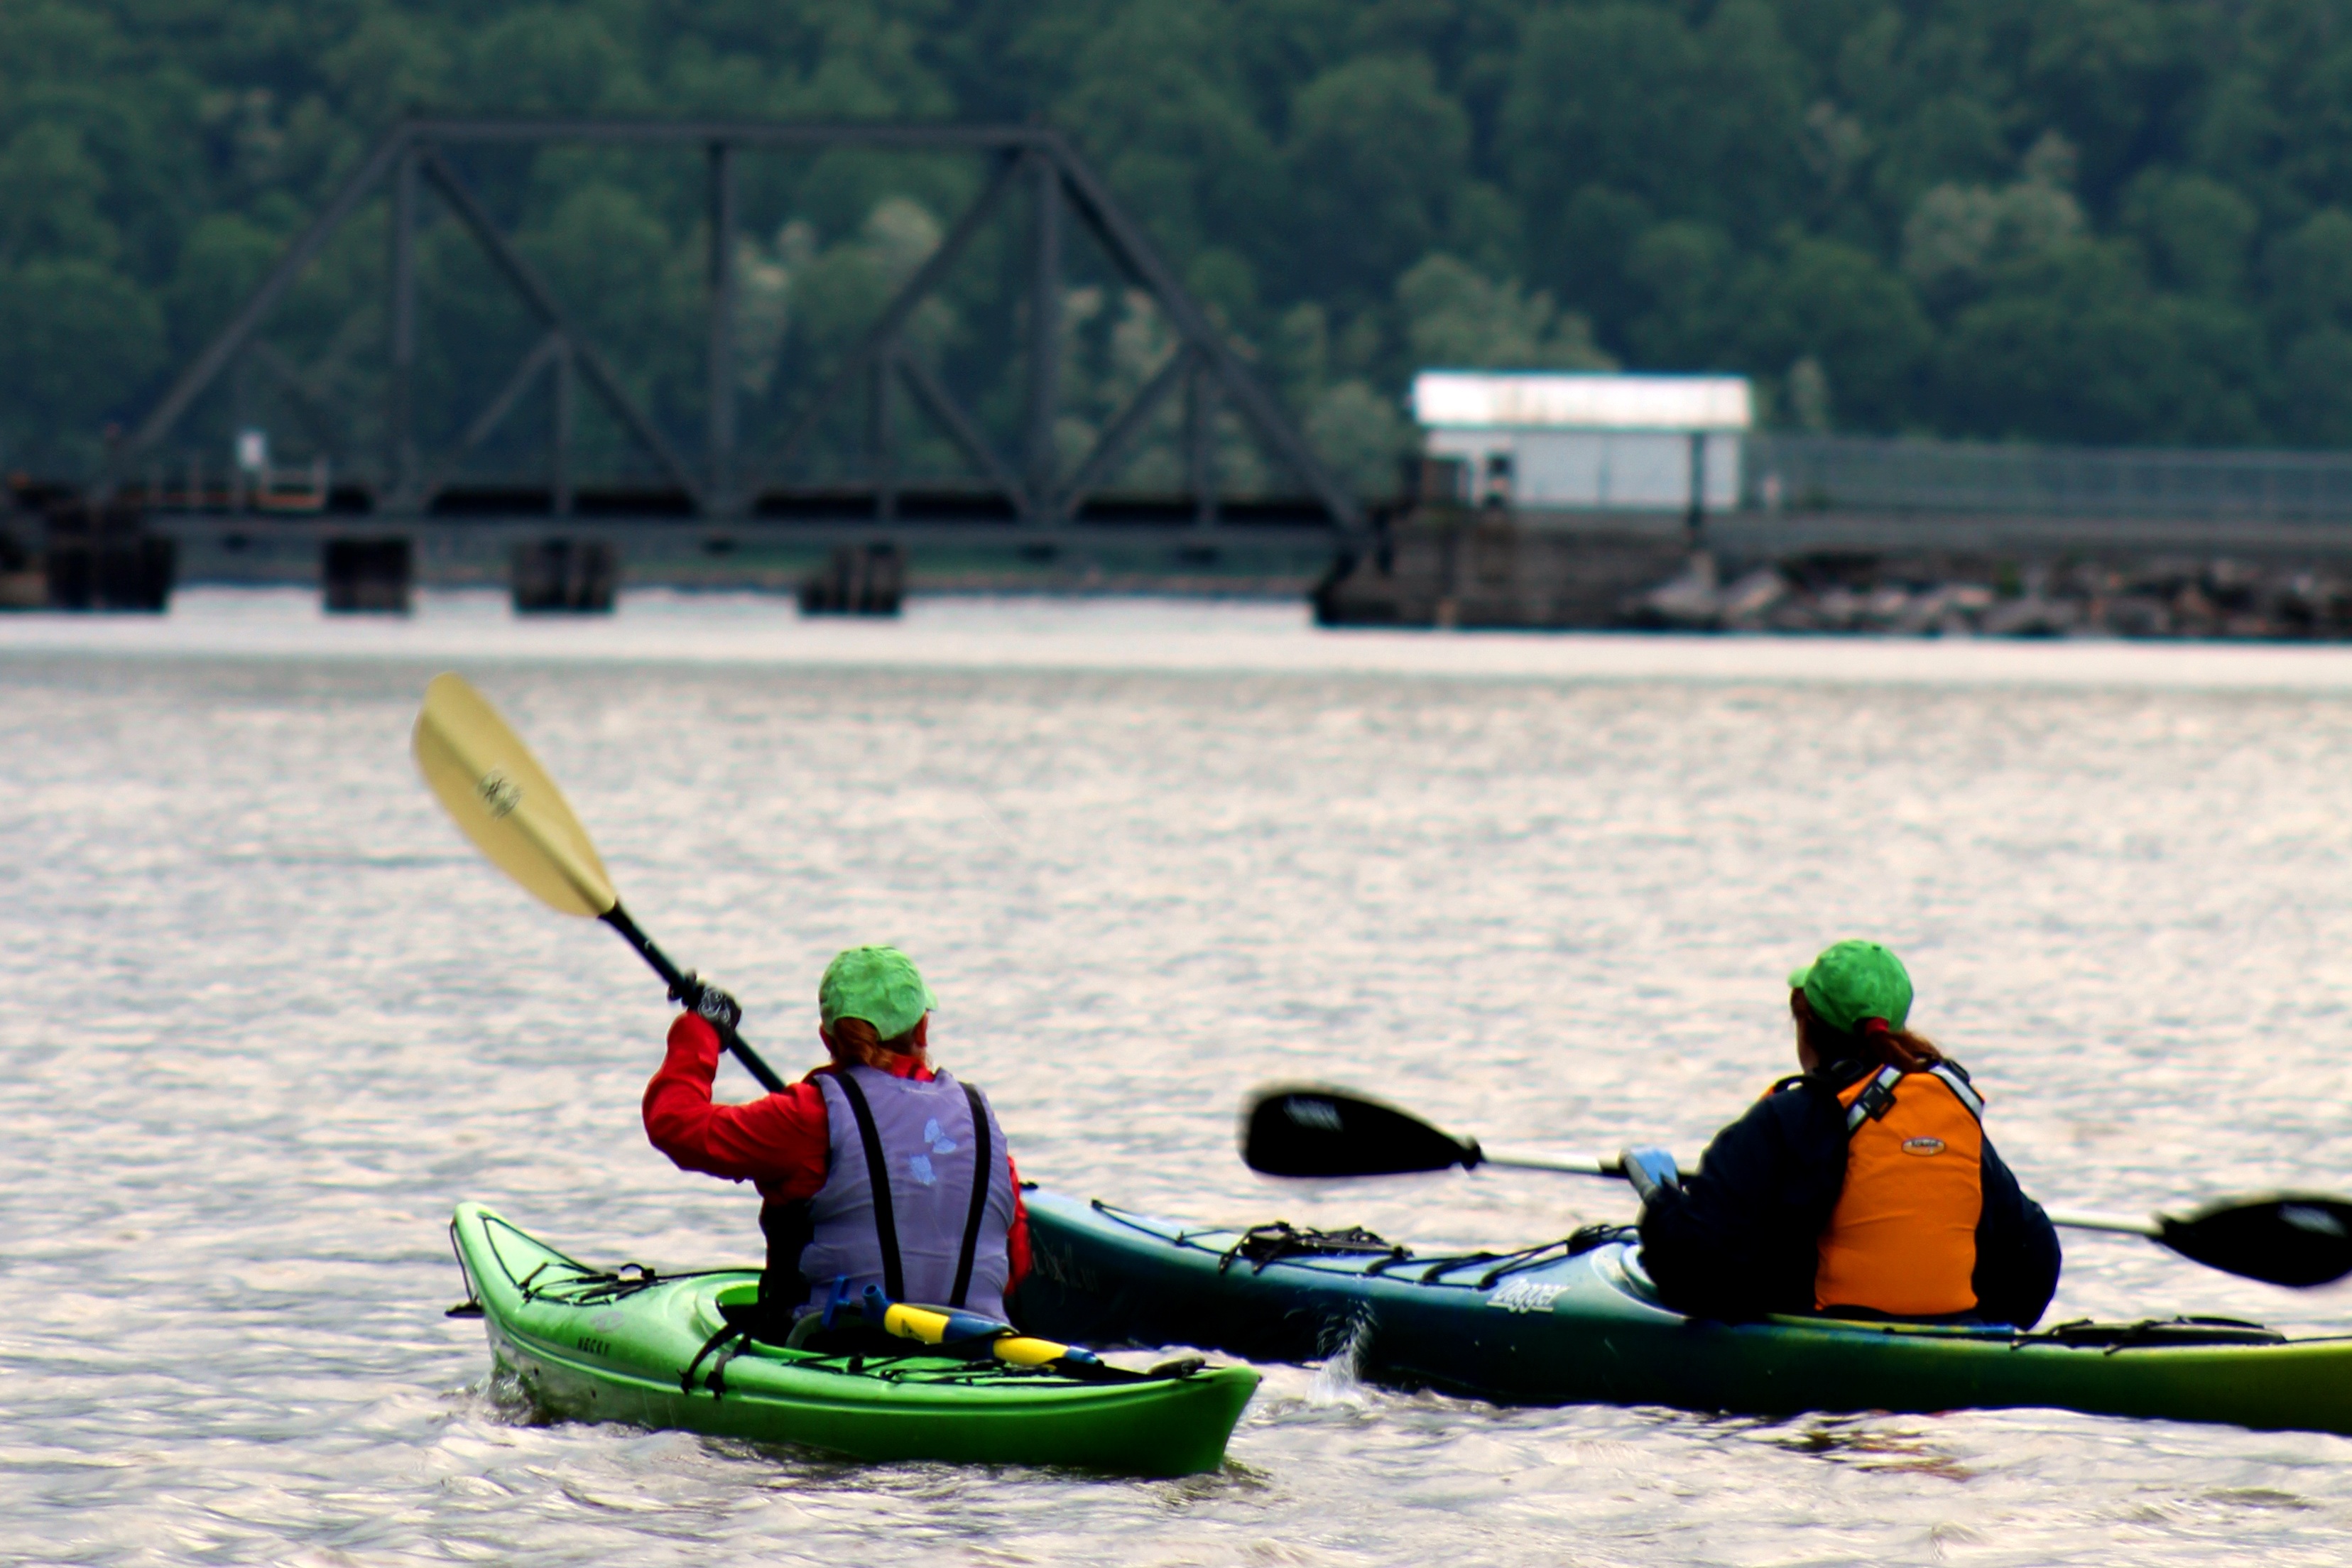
{"points": [[1586, 441]]}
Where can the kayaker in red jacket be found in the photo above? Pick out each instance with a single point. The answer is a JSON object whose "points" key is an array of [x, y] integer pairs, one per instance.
{"points": [[1863, 1187], [874, 1169]]}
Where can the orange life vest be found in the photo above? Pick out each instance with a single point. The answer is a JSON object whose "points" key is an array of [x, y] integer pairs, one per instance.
{"points": [[1903, 1238]]}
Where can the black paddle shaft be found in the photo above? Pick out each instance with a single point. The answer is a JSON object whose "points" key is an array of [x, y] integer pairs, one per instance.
{"points": [[689, 990]]}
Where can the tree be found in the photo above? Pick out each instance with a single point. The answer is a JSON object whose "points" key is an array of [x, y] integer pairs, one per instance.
{"points": [[50, 192], [1849, 314], [2079, 348], [1683, 270], [1454, 316], [1701, 123], [2198, 231], [77, 341], [2126, 220], [1377, 156]]}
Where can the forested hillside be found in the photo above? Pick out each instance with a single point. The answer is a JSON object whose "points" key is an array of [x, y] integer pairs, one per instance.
{"points": [[2063, 220]]}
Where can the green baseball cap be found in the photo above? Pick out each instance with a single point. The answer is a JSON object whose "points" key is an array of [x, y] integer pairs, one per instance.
{"points": [[1851, 981], [879, 984]]}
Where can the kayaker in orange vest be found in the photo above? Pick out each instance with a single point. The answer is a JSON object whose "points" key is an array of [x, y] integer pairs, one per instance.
{"points": [[1862, 1187]]}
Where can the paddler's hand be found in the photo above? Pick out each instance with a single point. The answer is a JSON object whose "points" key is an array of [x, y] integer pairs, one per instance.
{"points": [[1649, 1168], [721, 1010]]}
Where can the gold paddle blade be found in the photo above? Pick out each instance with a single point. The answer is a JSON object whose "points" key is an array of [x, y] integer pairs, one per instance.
{"points": [[501, 797]]}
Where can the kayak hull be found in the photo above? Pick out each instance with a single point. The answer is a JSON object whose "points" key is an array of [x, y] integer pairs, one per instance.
{"points": [[587, 1351], [1552, 1329]]}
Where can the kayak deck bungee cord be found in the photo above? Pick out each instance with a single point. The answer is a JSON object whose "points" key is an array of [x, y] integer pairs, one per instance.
{"points": [[1577, 1322], [663, 1351]]}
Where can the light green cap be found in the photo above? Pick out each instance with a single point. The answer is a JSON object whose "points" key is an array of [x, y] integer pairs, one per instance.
{"points": [[879, 984], [1851, 981]]}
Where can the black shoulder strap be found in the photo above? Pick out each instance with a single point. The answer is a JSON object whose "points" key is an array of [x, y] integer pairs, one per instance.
{"points": [[1876, 1100], [983, 1168], [1873, 1103], [885, 1223]]}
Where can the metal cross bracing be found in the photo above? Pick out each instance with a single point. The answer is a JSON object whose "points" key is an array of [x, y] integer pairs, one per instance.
{"points": [[733, 479]]}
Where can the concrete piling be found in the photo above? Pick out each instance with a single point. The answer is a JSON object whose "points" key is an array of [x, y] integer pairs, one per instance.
{"points": [[565, 576], [368, 576], [860, 580], [101, 557]]}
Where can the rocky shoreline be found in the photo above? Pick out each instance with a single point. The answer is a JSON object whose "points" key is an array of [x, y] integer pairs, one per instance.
{"points": [[2176, 598], [1450, 569]]}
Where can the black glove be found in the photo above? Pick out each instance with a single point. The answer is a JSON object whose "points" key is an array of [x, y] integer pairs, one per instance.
{"points": [[710, 1003]]}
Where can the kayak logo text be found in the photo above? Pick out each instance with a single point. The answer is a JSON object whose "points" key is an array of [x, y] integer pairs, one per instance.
{"points": [[1526, 1296]]}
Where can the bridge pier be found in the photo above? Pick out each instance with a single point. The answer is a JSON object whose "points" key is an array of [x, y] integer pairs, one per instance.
{"points": [[61, 551], [860, 580], [577, 577], [369, 576]]}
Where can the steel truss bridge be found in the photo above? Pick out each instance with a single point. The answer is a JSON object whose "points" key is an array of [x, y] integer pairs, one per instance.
{"points": [[388, 476]]}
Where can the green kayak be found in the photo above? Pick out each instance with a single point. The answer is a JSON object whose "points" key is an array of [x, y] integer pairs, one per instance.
{"points": [[630, 1345], [1576, 1321]]}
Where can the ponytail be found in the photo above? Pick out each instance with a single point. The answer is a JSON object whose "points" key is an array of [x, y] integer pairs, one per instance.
{"points": [[1872, 1041], [854, 1043]]}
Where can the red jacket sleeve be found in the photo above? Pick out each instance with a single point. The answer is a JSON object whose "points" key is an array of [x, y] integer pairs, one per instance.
{"points": [[777, 1142]]}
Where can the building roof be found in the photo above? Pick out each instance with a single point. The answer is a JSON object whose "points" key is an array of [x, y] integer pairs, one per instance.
{"points": [[1580, 401]]}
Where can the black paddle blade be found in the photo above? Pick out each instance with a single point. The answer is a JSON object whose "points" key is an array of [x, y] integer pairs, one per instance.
{"points": [[1306, 1130], [2285, 1238]]}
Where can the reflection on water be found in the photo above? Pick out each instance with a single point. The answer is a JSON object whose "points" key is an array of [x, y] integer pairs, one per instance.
{"points": [[1875, 1443], [265, 1018]]}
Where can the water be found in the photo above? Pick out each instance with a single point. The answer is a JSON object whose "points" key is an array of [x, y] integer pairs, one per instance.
{"points": [[264, 1018]]}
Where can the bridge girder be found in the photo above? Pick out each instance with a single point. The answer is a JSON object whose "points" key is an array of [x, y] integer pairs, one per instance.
{"points": [[1033, 486]]}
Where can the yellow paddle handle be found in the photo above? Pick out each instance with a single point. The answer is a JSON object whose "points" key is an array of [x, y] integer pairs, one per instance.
{"points": [[927, 1327], [1021, 1350]]}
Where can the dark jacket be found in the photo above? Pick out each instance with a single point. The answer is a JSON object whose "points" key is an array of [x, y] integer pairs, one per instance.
{"points": [[1740, 1237]]}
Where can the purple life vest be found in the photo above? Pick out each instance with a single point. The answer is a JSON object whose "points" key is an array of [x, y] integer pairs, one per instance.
{"points": [[933, 1229]]}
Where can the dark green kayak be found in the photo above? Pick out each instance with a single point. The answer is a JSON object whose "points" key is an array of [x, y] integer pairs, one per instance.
{"points": [[1549, 1325], [604, 1345]]}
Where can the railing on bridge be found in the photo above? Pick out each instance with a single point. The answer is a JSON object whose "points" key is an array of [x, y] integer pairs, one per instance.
{"points": [[1852, 474]]}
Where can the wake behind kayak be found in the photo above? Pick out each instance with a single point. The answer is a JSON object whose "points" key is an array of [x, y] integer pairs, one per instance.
{"points": [[601, 1345], [1563, 1323]]}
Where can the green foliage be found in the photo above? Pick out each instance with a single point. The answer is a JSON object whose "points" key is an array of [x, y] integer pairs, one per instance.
{"points": [[77, 329], [2062, 220], [1453, 316], [1376, 159]]}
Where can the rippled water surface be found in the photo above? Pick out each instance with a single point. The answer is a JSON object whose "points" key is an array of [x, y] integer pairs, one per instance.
{"points": [[264, 1018]]}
